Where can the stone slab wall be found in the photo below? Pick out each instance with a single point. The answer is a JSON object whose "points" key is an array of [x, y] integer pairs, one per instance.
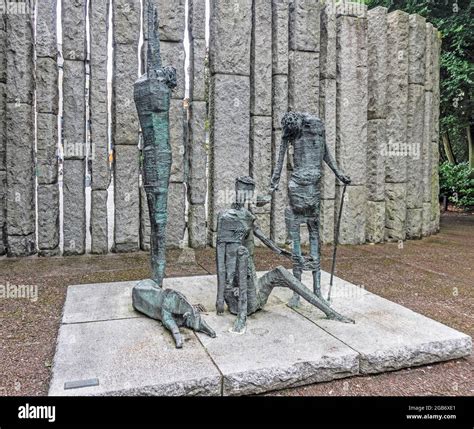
{"points": [[372, 76]]}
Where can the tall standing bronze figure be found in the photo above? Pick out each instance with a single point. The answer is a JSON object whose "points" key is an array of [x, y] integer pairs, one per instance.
{"points": [[152, 93], [307, 135]]}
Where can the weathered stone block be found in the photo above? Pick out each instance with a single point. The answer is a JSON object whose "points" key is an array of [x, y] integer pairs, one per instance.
{"points": [[197, 226], [198, 153], [74, 29], [426, 228], [74, 110], [304, 82], [172, 19], [416, 49], [99, 222], [198, 18], [47, 148], [304, 25], [416, 116], [397, 97], [327, 223], [21, 245], [230, 37], [327, 112], [176, 215], [429, 66], [47, 95], [414, 223], [230, 129], [48, 217], [377, 62], [127, 205], [127, 16], [279, 233], [375, 225], [280, 99], [264, 223], [354, 214], [328, 42], [280, 35], [74, 212], [261, 69], [352, 97], [426, 151], [3, 188], [20, 73], [46, 33], [199, 70], [395, 211], [172, 54], [3, 49], [261, 162], [125, 118], [19, 162], [100, 170], [177, 118], [376, 143]]}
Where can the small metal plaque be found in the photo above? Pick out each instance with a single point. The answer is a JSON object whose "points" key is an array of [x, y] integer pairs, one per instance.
{"points": [[81, 383]]}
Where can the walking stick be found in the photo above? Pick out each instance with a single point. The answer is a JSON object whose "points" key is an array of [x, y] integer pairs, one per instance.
{"points": [[336, 240]]}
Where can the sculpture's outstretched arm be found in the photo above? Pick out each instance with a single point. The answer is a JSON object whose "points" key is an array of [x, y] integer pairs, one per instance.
{"points": [[329, 160], [279, 166], [269, 243]]}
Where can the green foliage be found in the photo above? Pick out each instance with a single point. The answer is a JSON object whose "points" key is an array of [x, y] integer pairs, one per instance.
{"points": [[454, 20], [455, 182]]}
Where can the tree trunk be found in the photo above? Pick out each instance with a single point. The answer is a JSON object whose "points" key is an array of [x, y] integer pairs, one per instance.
{"points": [[470, 144], [448, 150]]}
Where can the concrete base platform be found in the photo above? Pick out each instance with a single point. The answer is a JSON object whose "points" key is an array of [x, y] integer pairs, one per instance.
{"points": [[106, 348]]}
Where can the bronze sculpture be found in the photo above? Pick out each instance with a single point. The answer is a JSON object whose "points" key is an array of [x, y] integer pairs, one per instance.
{"points": [[307, 135], [152, 98], [238, 285]]}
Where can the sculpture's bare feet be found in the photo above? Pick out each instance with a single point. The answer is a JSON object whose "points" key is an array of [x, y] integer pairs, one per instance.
{"points": [[341, 318], [294, 301], [239, 327], [178, 339]]}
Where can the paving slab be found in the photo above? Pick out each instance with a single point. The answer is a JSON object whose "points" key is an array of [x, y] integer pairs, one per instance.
{"points": [[108, 348], [131, 357], [386, 335]]}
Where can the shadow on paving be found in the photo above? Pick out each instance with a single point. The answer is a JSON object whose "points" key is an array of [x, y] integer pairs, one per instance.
{"points": [[433, 276]]}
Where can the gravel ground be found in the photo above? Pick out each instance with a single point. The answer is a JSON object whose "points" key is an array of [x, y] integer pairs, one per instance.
{"points": [[433, 276]]}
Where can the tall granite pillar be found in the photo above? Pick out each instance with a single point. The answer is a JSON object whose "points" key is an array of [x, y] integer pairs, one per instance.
{"points": [[47, 100], [197, 147], [3, 106], [19, 145], [415, 125], [126, 21], [230, 47], [426, 151], [376, 123], [327, 112], [397, 105], [172, 26], [280, 70], [351, 145], [74, 126], [435, 210], [99, 124], [304, 46], [261, 106]]}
